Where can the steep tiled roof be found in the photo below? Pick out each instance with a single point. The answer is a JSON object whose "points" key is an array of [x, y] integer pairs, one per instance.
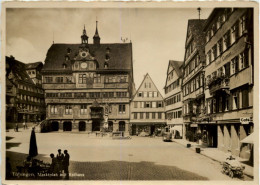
{"points": [[196, 29], [33, 65], [18, 70], [177, 66], [120, 56]]}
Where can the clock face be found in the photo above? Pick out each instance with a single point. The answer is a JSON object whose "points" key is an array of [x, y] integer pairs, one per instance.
{"points": [[83, 54], [84, 65]]}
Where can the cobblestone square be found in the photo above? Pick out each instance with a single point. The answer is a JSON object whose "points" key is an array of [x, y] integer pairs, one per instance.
{"points": [[97, 158]]}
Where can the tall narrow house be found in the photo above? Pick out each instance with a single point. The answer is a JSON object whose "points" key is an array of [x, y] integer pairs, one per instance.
{"points": [[193, 77], [147, 108], [88, 86], [173, 98], [229, 76]]}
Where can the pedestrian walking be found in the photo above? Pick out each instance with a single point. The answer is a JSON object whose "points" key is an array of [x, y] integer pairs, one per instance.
{"points": [[24, 125], [16, 127], [66, 163], [60, 157]]}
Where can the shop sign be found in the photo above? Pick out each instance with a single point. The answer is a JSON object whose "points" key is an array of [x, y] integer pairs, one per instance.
{"points": [[193, 125], [245, 120]]}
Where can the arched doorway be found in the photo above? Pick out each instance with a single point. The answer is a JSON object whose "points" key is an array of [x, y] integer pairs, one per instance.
{"points": [[110, 126], [121, 126], [82, 126], [67, 126], [55, 126], [95, 125]]}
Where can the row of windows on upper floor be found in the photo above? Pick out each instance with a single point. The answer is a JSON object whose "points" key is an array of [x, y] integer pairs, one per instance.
{"points": [[83, 109], [220, 20], [175, 99], [148, 94], [189, 49], [172, 86], [230, 37], [85, 78], [147, 104], [88, 95], [238, 99], [173, 115], [193, 85], [224, 43], [238, 63], [148, 115], [29, 98], [29, 88], [192, 65], [28, 107]]}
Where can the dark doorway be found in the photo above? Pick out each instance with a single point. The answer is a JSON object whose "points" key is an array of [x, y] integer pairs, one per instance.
{"points": [[110, 126], [67, 126], [215, 135], [82, 126], [121, 126], [133, 130], [95, 125], [152, 129], [55, 126]]}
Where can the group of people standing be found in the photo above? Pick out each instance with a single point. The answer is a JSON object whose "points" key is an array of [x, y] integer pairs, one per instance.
{"points": [[60, 163]]}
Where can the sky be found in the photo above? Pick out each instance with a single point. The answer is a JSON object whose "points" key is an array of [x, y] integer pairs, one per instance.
{"points": [[157, 34]]}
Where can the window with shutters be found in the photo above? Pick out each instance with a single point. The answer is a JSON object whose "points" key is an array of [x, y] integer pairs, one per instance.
{"points": [[245, 98], [121, 109], [135, 115], [147, 115], [159, 115], [235, 32], [227, 40], [83, 109], [153, 115], [68, 109], [147, 104], [235, 100], [141, 115]]}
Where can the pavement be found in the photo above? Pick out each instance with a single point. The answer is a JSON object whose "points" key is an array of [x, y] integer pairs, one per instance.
{"points": [[216, 154], [104, 158]]}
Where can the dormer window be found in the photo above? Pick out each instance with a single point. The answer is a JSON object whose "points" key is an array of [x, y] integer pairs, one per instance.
{"points": [[107, 57], [107, 50], [105, 65], [64, 66], [68, 50]]}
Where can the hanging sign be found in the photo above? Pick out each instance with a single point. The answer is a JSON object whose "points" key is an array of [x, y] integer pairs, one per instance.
{"points": [[245, 120]]}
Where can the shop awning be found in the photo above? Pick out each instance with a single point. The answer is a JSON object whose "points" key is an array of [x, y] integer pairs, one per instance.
{"points": [[248, 139]]}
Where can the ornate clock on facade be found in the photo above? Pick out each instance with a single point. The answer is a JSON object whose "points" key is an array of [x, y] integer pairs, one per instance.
{"points": [[84, 65], [83, 54]]}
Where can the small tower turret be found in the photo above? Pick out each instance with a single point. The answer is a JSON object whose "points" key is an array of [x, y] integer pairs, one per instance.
{"points": [[96, 38], [84, 37]]}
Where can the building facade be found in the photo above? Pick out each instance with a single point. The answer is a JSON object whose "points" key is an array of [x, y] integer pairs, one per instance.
{"points": [[229, 77], [173, 99], [24, 93], [88, 87], [193, 77], [147, 108]]}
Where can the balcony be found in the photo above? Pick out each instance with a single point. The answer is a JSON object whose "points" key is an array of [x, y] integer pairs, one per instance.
{"points": [[218, 83], [96, 115]]}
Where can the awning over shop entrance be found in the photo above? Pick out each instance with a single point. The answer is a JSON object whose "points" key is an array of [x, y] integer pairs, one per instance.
{"points": [[249, 139]]}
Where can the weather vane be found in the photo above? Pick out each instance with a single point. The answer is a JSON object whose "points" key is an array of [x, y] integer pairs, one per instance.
{"points": [[199, 9]]}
